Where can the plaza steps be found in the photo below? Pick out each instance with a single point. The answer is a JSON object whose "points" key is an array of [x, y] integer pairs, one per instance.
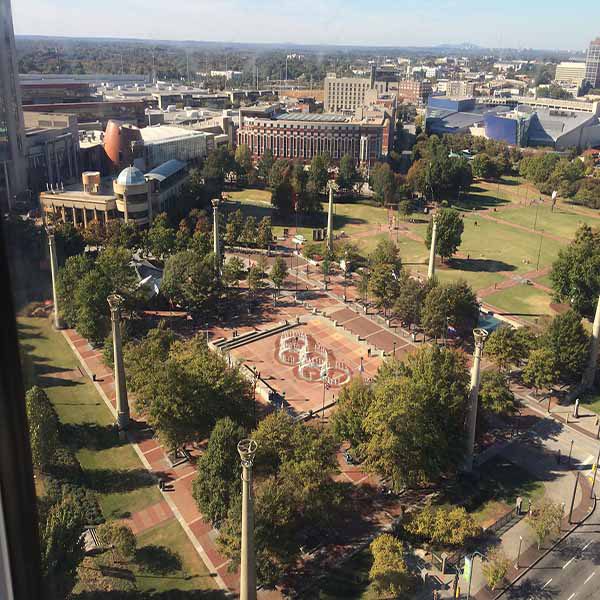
{"points": [[252, 336]]}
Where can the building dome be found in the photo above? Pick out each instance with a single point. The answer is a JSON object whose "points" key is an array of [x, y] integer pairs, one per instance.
{"points": [[131, 176]]}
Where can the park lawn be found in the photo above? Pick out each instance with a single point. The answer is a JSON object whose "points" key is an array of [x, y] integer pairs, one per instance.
{"points": [[592, 401], [160, 544], [478, 280], [500, 247], [110, 465], [250, 195], [522, 300], [560, 222], [545, 280]]}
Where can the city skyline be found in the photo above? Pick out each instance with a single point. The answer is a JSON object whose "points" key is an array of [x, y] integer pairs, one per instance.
{"points": [[404, 23]]}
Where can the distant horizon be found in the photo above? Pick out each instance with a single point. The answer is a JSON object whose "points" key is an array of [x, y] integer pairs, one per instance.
{"points": [[392, 24]]}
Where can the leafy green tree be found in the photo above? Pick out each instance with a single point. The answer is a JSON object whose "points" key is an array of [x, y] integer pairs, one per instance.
{"points": [[281, 197], [243, 158], [119, 538], [61, 547], [191, 391], [389, 573], [249, 231], [69, 277], [92, 312], [383, 183], [279, 173], [448, 526], [278, 273], [264, 234], [347, 175], [189, 280], [69, 241], [234, 228], [405, 208], [495, 567], [384, 284], [218, 164], [265, 164], [386, 252], [507, 346], [318, 175], [233, 271], [416, 421], [446, 175], [43, 427], [183, 236], [450, 228], [348, 420], [161, 236], [416, 177], [541, 370], [409, 301], [485, 167], [495, 394], [575, 274], [568, 341], [217, 481], [545, 520], [255, 279]]}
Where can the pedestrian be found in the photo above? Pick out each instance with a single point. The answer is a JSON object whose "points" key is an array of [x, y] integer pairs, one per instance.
{"points": [[558, 457], [475, 223], [468, 257], [93, 376]]}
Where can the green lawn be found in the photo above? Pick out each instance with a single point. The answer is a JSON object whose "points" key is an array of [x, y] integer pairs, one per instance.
{"points": [[592, 401], [250, 195], [522, 300], [545, 280]]}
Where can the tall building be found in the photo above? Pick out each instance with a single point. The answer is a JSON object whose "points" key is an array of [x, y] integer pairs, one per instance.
{"points": [[13, 163], [571, 73], [592, 64]]}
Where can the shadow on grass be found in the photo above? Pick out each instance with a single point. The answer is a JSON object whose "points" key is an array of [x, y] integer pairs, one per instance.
{"points": [[90, 435], [480, 264], [157, 560], [168, 595], [109, 481], [479, 202]]}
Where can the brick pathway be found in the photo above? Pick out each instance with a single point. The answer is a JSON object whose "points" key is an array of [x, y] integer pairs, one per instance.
{"points": [[149, 517]]}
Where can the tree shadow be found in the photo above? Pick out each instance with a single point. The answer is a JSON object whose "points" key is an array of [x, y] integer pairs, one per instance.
{"points": [[158, 560], [532, 589], [480, 202], [144, 595], [480, 264], [90, 435], [109, 481]]}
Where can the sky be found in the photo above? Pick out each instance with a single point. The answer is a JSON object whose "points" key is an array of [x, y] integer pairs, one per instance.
{"points": [[552, 24]]}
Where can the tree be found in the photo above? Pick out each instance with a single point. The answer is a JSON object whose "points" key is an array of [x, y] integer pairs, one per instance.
{"points": [[264, 234], [507, 346], [255, 279], [495, 567], [384, 284], [318, 175], [383, 183], [386, 252], [541, 370], [249, 231], [388, 573], [191, 391], [447, 526], [575, 274], [405, 208], [348, 421], [69, 277], [416, 422], [484, 167], [279, 172], [281, 197], [568, 341], [234, 227], [217, 480], [495, 394], [278, 273], [233, 271], [218, 164], [265, 164], [545, 520], [417, 177], [189, 280], [243, 158], [347, 175], [43, 427], [409, 301], [92, 312], [161, 237], [61, 547], [446, 174], [69, 241], [450, 227], [119, 538]]}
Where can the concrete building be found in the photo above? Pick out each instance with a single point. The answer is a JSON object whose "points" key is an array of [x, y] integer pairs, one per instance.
{"points": [[592, 64], [344, 93], [228, 75], [460, 88], [56, 91], [570, 73], [132, 197], [367, 135], [416, 92], [13, 149]]}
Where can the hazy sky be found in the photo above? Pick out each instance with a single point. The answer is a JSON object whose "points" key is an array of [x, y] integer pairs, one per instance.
{"points": [[492, 23]]}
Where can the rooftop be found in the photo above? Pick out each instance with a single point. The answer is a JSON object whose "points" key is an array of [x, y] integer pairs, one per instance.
{"points": [[321, 118], [163, 133], [165, 170]]}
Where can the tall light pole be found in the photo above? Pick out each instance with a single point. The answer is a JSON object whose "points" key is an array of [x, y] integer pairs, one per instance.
{"points": [[330, 220], [590, 372], [247, 451], [480, 336], [431, 269], [58, 323], [116, 302], [216, 245]]}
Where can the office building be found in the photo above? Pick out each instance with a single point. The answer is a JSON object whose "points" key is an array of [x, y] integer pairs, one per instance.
{"points": [[344, 93], [55, 91], [570, 73], [592, 64], [367, 135], [415, 92], [13, 148], [132, 197], [460, 88]]}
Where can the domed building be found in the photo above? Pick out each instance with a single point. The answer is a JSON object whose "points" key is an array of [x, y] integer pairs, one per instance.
{"points": [[133, 196]]}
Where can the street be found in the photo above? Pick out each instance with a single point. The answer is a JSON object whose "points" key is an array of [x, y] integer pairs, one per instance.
{"points": [[570, 572]]}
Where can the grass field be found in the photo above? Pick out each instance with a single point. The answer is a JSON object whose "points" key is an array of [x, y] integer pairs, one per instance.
{"points": [[250, 195], [592, 401], [522, 300], [112, 468]]}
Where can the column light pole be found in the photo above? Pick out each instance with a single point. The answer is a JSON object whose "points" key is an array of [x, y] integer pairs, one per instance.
{"points": [[590, 372], [58, 323], [480, 336], [431, 269], [116, 302], [330, 220], [216, 245], [247, 451]]}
